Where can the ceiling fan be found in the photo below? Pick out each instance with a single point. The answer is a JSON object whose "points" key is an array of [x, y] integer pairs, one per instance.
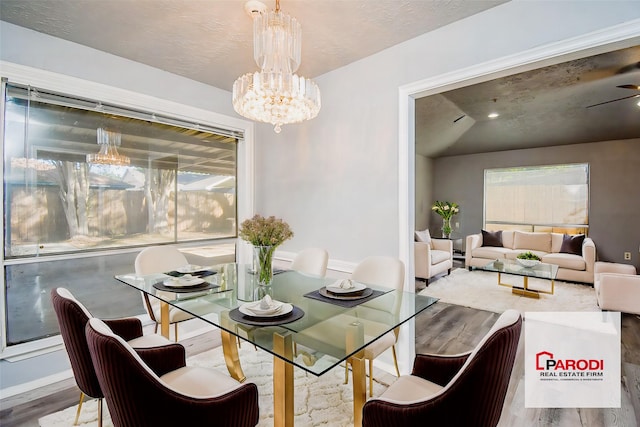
{"points": [[633, 87]]}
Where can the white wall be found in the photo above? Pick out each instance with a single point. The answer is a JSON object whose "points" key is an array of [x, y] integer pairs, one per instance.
{"points": [[335, 178], [423, 191], [19, 45]]}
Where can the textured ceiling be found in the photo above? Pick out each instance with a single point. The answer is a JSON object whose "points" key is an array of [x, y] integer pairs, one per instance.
{"points": [[549, 106], [211, 41]]}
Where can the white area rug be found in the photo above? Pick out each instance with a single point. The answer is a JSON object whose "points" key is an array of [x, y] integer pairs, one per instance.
{"points": [[318, 401], [480, 290]]}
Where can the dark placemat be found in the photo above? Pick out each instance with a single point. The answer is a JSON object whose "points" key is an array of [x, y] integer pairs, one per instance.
{"points": [[186, 289], [347, 303], [295, 314], [347, 295], [203, 273]]}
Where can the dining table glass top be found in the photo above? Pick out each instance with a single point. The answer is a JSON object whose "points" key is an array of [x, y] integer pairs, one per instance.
{"points": [[324, 330]]}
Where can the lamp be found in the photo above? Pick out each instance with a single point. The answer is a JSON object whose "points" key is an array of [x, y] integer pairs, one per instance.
{"points": [[108, 141], [275, 94]]}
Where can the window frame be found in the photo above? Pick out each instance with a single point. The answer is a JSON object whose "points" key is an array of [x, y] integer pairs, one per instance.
{"points": [[73, 86], [529, 226]]}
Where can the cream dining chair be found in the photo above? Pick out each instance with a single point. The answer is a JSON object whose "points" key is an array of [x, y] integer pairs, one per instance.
{"points": [[311, 261], [161, 259], [380, 271]]}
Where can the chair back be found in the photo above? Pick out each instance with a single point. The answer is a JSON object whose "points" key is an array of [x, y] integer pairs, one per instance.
{"points": [[137, 396], [72, 318], [383, 271], [480, 386], [159, 259], [311, 261], [380, 270], [474, 396]]}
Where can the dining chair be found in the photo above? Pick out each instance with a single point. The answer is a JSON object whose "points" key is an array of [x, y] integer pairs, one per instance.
{"points": [[311, 261], [161, 259], [178, 394], [382, 271], [455, 390], [72, 318]]}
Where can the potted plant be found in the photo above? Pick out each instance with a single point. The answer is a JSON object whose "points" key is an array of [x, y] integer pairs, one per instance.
{"points": [[446, 210]]}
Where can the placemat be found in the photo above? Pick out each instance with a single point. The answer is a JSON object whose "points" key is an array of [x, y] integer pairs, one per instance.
{"points": [[295, 314], [347, 303], [203, 273], [199, 288]]}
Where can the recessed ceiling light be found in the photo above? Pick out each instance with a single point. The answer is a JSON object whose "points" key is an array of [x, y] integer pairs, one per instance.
{"points": [[493, 115], [638, 103]]}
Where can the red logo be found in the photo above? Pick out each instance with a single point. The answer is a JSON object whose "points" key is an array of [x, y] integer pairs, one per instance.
{"points": [[546, 362]]}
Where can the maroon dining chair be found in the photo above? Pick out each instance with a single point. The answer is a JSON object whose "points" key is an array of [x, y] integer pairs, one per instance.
{"points": [[466, 389], [181, 395], [72, 318]]}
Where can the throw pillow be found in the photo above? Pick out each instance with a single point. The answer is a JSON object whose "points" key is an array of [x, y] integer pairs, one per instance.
{"points": [[423, 236], [492, 238], [572, 244]]}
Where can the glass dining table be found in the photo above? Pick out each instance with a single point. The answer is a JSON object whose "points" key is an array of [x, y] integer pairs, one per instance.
{"points": [[316, 330]]}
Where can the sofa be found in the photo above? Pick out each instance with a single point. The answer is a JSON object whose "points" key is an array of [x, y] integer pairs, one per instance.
{"points": [[432, 256], [574, 255], [617, 287]]}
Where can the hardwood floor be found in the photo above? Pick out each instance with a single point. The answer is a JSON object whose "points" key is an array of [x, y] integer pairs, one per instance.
{"points": [[443, 328]]}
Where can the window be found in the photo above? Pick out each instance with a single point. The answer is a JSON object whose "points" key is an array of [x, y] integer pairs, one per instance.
{"points": [[179, 186], [69, 222], [543, 198]]}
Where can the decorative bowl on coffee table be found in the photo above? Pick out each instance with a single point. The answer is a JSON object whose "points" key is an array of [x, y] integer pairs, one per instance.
{"points": [[528, 262]]}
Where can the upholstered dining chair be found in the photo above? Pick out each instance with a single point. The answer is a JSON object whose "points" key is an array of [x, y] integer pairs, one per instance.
{"points": [[457, 390], [161, 259], [381, 271], [177, 394], [72, 318], [311, 261]]}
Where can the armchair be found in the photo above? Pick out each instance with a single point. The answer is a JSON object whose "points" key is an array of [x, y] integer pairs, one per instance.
{"points": [[432, 258], [617, 287], [458, 390], [181, 395], [72, 318]]}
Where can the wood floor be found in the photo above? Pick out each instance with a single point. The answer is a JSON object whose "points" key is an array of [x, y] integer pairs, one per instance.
{"points": [[443, 328]]}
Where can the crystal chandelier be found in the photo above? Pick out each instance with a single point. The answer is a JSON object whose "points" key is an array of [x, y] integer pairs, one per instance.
{"points": [[275, 94], [109, 141]]}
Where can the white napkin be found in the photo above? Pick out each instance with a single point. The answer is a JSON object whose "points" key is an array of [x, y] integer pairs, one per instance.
{"points": [[342, 284], [265, 306], [188, 279]]}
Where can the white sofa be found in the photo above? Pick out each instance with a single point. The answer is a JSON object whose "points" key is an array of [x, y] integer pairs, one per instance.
{"points": [[572, 268], [617, 287], [433, 257]]}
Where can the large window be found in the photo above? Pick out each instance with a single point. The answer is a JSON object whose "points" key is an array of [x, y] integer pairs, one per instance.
{"points": [[544, 198], [179, 185], [72, 222]]}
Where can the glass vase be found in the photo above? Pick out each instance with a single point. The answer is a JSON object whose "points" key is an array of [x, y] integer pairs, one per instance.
{"points": [[446, 227], [262, 260]]}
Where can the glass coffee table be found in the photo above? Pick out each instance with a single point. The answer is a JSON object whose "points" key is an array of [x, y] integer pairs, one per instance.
{"points": [[540, 271]]}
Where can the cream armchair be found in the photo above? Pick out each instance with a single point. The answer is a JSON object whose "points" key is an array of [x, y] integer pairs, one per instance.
{"points": [[617, 287], [433, 258]]}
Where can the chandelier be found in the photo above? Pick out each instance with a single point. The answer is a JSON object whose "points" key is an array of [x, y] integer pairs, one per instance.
{"points": [[275, 94], [109, 141]]}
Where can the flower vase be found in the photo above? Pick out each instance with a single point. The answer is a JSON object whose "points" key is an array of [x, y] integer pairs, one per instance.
{"points": [[263, 259], [446, 227]]}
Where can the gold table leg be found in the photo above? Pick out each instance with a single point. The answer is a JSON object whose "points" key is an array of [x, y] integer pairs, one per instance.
{"points": [[282, 381], [524, 290], [164, 319], [230, 350], [355, 339]]}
